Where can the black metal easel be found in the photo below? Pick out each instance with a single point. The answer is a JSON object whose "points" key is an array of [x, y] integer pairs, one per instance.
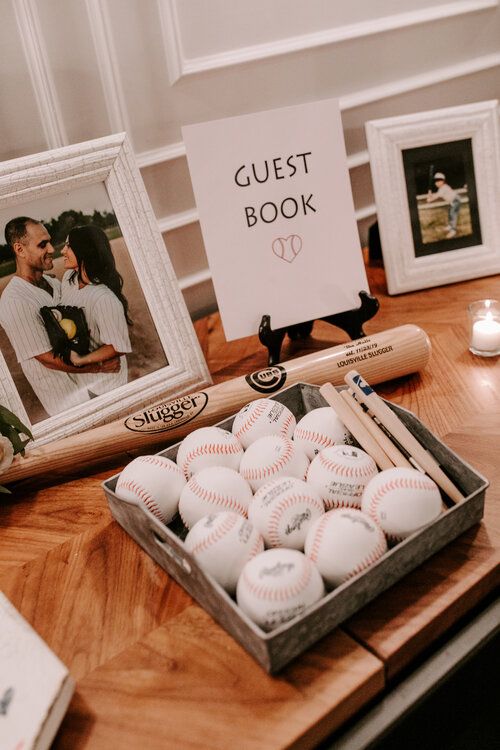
{"points": [[351, 321]]}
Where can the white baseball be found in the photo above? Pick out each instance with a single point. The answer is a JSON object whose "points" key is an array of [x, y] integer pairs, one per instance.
{"points": [[278, 585], [318, 429], [340, 473], [270, 457], [343, 543], [283, 510], [222, 543], [153, 481], [211, 490], [261, 417], [209, 446], [402, 501]]}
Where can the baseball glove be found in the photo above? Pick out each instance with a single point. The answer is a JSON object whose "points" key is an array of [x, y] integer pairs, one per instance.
{"points": [[67, 329]]}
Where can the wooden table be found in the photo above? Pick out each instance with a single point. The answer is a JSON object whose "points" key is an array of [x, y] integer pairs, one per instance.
{"points": [[154, 671]]}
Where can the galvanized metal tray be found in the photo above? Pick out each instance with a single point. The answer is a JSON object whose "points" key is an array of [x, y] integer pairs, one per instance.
{"points": [[277, 648]]}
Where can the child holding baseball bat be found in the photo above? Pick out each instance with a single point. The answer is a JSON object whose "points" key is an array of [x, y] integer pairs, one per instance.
{"points": [[451, 197]]}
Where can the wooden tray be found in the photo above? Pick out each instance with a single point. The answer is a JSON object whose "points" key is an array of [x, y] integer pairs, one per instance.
{"points": [[275, 649]]}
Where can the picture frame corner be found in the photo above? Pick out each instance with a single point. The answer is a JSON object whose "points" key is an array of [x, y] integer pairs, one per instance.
{"points": [[109, 163]]}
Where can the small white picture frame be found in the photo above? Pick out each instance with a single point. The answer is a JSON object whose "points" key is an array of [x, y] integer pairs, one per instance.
{"points": [[107, 165], [436, 231]]}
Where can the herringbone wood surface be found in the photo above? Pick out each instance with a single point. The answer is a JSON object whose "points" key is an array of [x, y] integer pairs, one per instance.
{"points": [[153, 670]]}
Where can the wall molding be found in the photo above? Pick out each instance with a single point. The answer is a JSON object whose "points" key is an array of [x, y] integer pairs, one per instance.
{"points": [[413, 83], [177, 220], [364, 213], [194, 279], [159, 155], [180, 66], [357, 99], [172, 39], [107, 61], [44, 89], [359, 159]]}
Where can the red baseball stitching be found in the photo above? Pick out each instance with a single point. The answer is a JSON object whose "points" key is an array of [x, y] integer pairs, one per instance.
{"points": [[277, 514], [259, 472], [286, 424], [313, 437], [258, 546], [399, 483], [216, 498], [395, 539], [263, 591], [210, 449], [259, 408], [334, 504], [216, 534], [330, 464], [318, 538], [156, 461], [374, 555], [143, 495]]}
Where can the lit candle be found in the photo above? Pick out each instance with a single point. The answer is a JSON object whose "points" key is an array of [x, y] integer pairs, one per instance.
{"points": [[486, 334]]}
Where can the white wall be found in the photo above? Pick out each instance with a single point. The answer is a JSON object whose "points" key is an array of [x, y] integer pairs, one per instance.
{"points": [[80, 69]]}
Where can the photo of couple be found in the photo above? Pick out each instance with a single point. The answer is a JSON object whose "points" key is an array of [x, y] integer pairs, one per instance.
{"points": [[65, 314]]}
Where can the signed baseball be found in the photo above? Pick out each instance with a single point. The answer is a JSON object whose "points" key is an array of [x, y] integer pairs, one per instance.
{"points": [[211, 490], [262, 417], [283, 509], [270, 457], [209, 446], [278, 585], [153, 481], [344, 542], [318, 429], [402, 501], [340, 473], [222, 543]]}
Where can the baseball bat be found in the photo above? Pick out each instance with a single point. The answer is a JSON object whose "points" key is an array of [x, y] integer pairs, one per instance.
{"points": [[357, 429], [382, 356], [430, 179], [402, 434]]}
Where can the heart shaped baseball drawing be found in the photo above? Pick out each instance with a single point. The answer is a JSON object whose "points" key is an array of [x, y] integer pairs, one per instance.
{"points": [[287, 248]]}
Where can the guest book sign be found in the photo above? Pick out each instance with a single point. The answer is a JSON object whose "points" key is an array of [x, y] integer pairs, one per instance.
{"points": [[277, 216]]}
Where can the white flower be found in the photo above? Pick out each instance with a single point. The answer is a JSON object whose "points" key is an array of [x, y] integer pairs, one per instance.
{"points": [[6, 453]]}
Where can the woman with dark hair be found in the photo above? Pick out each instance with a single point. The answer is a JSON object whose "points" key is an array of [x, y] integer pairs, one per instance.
{"points": [[92, 282]]}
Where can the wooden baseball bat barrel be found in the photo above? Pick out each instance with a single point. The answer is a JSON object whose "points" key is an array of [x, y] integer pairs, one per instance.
{"points": [[382, 356]]}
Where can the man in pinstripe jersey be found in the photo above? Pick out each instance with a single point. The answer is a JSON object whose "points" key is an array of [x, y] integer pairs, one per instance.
{"points": [[30, 289]]}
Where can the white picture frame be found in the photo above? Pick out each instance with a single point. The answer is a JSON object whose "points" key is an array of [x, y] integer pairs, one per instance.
{"points": [[419, 250], [110, 161]]}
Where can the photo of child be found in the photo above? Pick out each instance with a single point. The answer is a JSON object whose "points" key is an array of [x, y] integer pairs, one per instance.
{"points": [[453, 202], [442, 197]]}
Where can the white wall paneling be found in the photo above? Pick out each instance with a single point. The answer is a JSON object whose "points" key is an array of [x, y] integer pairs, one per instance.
{"points": [[73, 66], [20, 124], [107, 61], [377, 95], [186, 21], [176, 221], [359, 99], [160, 155], [169, 186], [44, 90], [480, 85], [83, 68], [186, 245]]}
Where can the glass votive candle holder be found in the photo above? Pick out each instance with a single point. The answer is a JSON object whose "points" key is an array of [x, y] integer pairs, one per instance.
{"points": [[484, 320]]}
